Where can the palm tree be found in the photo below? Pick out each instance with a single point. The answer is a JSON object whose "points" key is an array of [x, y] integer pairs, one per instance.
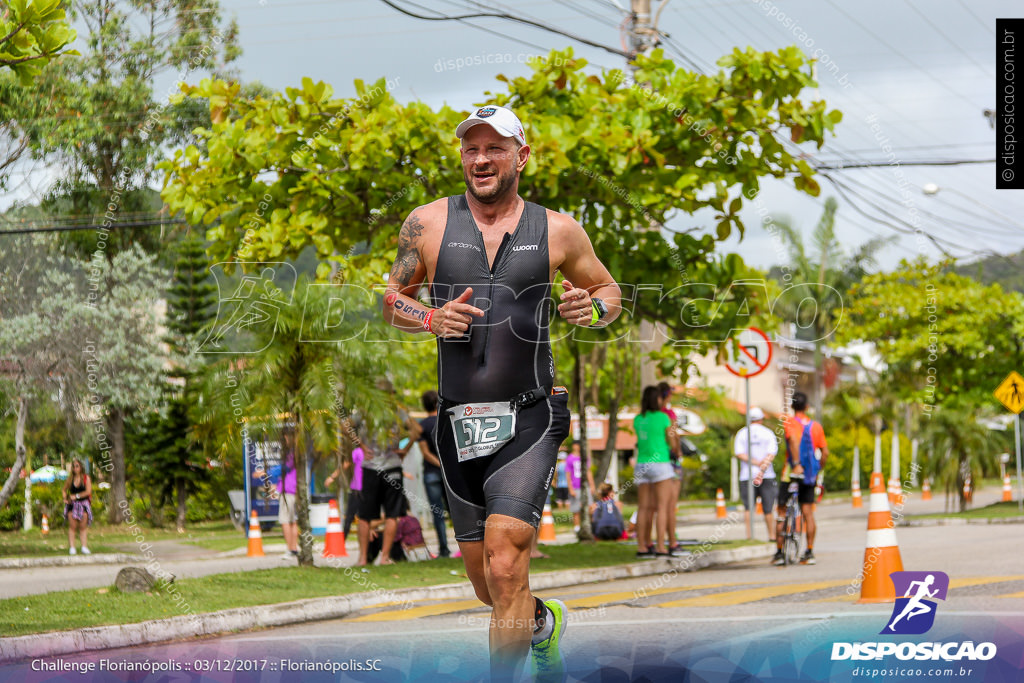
{"points": [[314, 368], [820, 278], [962, 449]]}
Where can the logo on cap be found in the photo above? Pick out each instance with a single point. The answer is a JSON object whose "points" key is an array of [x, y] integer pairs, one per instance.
{"points": [[484, 112]]}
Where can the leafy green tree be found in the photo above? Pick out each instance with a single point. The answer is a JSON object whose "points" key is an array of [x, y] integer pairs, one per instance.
{"points": [[115, 361], [274, 174], [814, 282], [31, 308], [32, 33], [946, 339], [111, 124]]}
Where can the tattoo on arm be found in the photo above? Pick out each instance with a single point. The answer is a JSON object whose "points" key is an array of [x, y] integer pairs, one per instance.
{"points": [[408, 259]]}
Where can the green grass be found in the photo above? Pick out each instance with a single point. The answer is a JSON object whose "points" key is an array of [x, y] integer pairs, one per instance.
{"points": [[994, 511], [104, 538], [95, 607]]}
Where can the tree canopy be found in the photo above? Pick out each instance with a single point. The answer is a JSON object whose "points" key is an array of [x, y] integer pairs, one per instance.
{"points": [[32, 32], [945, 338]]}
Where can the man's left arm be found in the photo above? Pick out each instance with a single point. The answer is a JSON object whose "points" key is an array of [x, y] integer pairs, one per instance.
{"points": [[586, 279]]}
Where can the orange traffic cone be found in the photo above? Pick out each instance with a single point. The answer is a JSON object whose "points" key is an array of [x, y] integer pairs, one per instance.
{"points": [[882, 551], [255, 537], [547, 525], [1007, 494], [46, 520], [926, 490], [720, 512], [967, 491], [760, 508], [857, 501], [334, 541]]}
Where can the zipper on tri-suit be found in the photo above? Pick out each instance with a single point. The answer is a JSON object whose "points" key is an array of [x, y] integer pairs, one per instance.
{"points": [[502, 248]]}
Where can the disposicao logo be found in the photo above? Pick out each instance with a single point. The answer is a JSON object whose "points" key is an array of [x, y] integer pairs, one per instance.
{"points": [[914, 614]]}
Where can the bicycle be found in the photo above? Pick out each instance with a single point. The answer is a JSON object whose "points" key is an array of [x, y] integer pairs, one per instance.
{"points": [[791, 525]]}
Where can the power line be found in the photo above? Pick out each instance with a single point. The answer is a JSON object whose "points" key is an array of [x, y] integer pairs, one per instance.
{"points": [[509, 17], [876, 164], [112, 226]]}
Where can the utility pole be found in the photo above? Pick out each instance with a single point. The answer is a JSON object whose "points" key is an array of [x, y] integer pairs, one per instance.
{"points": [[643, 35]]}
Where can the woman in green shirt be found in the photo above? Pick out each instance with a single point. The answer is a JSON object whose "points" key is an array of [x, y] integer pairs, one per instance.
{"points": [[655, 437]]}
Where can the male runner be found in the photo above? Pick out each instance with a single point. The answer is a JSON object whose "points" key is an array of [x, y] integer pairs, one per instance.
{"points": [[489, 258]]}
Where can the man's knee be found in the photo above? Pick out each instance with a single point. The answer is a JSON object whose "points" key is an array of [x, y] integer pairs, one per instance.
{"points": [[507, 575]]}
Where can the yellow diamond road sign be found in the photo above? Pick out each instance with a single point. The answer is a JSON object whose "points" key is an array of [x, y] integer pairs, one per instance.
{"points": [[1011, 392]]}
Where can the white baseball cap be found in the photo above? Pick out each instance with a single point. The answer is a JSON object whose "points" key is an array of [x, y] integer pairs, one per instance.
{"points": [[498, 118], [756, 414]]}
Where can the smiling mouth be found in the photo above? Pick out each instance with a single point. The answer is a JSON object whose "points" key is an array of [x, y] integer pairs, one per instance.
{"points": [[484, 175]]}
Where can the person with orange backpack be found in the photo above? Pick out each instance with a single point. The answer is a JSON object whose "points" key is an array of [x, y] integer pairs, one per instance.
{"points": [[806, 451]]}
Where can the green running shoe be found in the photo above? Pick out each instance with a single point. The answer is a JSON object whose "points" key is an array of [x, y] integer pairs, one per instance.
{"points": [[547, 657]]}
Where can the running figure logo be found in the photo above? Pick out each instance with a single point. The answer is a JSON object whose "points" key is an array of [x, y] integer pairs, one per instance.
{"points": [[913, 613]]}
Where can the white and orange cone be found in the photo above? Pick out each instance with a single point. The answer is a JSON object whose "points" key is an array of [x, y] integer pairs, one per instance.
{"points": [[926, 490], [857, 501], [968, 491], [334, 540], [881, 551], [760, 508], [46, 520], [255, 537], [547, 525], [720, 512], [1007, 490]]}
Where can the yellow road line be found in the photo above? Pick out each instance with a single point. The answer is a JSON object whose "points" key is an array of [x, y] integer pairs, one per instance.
{"points": [[1012, 595], [953, 583], [608, 598], [447, 606], [982, 580], [750, 594], [424, 611]]}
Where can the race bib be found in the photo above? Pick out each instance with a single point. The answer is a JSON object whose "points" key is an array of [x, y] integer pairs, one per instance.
{"points": [[482, 428]]}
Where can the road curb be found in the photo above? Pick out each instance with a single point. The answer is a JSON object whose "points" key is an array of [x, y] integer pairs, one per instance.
{"points": [[20, 648], [69, 560], [960, 521]]}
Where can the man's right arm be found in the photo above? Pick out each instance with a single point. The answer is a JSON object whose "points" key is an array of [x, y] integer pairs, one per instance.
{"points": [[402, 309]]}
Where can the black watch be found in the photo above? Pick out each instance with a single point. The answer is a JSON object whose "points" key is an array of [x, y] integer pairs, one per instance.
{"points": [[600, 306]]}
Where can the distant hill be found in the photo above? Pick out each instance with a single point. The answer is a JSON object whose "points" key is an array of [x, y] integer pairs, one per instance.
{"points": [[1008, 271]]}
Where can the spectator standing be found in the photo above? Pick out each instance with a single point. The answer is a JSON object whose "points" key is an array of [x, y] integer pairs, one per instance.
{"points": [[433, 481], [655, 438], [757, 465], [354, 471], [676, 458], [287, 515], [78, 507]]}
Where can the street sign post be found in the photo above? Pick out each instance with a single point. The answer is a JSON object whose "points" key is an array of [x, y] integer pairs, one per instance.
{"points": [[1010, 393], [746, 357]]}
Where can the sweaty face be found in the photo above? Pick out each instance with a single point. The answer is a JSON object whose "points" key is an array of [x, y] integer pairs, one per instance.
{"points": [[489, 163]]}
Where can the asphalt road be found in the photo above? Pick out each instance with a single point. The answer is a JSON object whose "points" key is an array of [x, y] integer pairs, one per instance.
{"points": [[748, 621]]}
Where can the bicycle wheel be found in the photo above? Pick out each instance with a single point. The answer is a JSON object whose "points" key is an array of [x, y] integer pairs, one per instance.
{"points": [[791, 549]]}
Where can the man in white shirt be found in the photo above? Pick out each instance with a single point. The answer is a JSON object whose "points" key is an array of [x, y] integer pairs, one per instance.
{"points": [[763, 449]]}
